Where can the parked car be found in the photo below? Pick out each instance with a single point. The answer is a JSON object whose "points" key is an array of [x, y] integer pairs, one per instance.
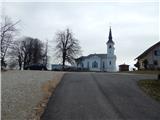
{"points": [[36, 67]]}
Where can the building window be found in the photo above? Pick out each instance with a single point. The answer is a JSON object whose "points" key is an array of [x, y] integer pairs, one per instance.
{"points": [[110, 46], [82, 65], [155, 52], [145, 64], [103, 65], [155, 62], [88, 65], [94, 64], [110, 62]]}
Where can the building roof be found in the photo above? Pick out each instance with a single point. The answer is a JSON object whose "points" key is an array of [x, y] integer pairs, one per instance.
{"points": [[148, 50], [124, 65], [110, 37], [91, 55], [99, 55]]}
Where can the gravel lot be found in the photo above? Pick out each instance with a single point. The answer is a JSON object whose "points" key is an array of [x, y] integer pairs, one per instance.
{"points": [[21, 91]]}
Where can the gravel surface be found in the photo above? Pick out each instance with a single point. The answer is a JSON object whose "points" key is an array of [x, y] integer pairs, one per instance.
{"points": [[21, 91]]}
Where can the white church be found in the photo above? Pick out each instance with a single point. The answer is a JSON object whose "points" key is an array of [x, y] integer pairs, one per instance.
{"points": [[100, 62]]}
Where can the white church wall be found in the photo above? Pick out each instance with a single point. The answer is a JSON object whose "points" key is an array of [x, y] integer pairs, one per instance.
{"points": [[111, 63], [104, 67], [98, 60], [89, 61], [85, 63]]}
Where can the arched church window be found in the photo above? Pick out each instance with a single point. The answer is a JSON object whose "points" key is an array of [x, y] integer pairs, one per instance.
{"points": [[103, 65], [110, 46], [110, 62], [82, 65], [94, 64], [88, 65]]}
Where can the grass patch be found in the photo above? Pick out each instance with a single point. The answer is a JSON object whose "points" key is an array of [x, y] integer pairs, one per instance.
{"points": [[151, 87], [145, 71]]}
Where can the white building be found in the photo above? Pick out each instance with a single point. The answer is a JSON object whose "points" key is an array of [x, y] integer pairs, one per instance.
{"points": [[100, 62], [150, 58]]}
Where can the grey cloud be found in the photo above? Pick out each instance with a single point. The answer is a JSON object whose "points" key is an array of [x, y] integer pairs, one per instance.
{"points": [[131, 23]]}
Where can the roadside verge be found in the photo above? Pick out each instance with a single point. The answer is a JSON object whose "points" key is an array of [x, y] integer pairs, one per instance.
{"points": [[48, 89], [151, 87]]}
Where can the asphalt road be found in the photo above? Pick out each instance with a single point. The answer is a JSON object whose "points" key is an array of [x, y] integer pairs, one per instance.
{"points": [[101, 96]]}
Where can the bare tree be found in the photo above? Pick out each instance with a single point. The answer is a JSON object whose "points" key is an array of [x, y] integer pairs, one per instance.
{"points": [[38, 51], [28, 51], [32, 51], [16, 54], [8, 31], [45, 57], [67, 47], [12, 64]]}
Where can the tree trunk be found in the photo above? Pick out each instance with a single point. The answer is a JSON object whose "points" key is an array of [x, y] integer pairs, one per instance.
{"points": [[63, 64], [3, 64], [20, 62], [20, 66], [64, 59], [24, 65]]}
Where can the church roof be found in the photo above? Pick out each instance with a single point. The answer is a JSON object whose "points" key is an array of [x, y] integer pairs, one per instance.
{"points": [[99, 55], [110, 37], [103, 56]]}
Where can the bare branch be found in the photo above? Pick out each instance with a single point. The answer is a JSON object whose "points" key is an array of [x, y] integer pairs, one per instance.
{"points": [[67, 47], [8, 31]]}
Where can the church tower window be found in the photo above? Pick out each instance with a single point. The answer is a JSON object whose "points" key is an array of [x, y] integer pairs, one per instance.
{"points": [[110, 62]]}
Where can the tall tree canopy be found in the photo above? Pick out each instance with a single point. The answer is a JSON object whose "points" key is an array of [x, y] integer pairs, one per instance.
{"points": [[67, 47], [28, 51]]}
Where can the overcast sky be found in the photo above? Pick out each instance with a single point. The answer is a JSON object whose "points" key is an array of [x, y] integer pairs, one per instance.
{"points": [[134, 24]]}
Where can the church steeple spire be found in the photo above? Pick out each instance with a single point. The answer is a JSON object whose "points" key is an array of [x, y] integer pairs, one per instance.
{"points": [[110, 37]]}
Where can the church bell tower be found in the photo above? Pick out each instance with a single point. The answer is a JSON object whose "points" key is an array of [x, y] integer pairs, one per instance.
{"points": [[111, 58], [110, 44]]}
